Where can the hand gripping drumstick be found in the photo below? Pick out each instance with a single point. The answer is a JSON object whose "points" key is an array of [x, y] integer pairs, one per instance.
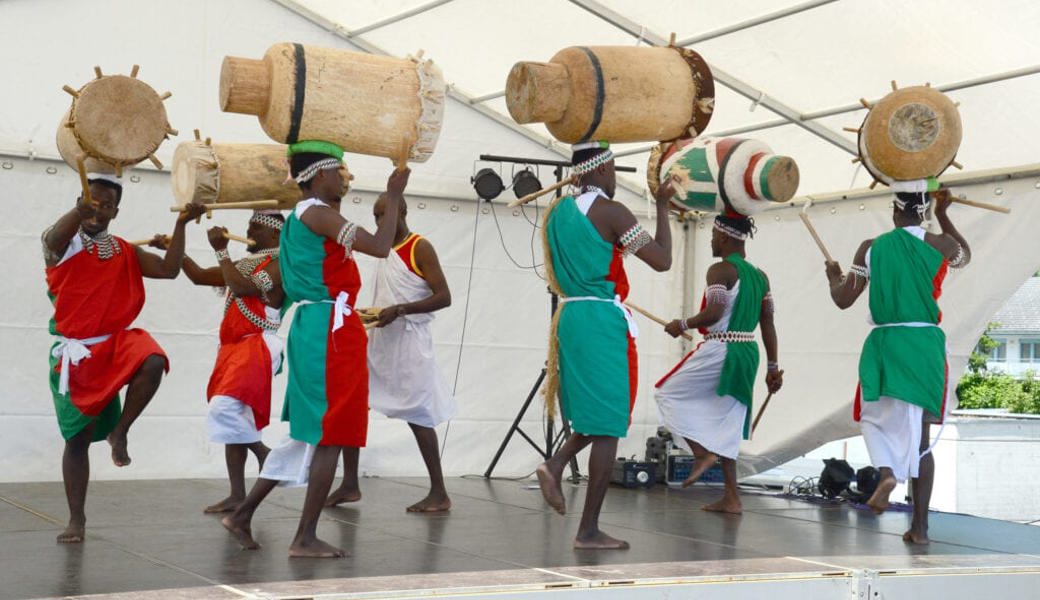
{"points": [[551, 188], [812, 231], [654, 318], [229, 236], [232, 205]]}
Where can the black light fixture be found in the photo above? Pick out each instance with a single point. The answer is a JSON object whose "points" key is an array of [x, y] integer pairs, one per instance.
{"points": [[487, 183], [525, 182]]}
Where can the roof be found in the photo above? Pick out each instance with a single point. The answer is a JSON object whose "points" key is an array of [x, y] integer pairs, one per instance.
{"points": [[1021, 313]]}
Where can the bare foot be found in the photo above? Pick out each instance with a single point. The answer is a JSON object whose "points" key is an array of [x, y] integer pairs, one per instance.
{"points": [[315, 549], [599, 541], [342, 496], [700, 465], [913, 537], [551, 490], [73, 534], [726, 505], [242, 532], [119, 454], [228, 504], [433, 502], [879, 499]]}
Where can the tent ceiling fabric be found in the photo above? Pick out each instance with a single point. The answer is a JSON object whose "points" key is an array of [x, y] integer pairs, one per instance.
{"points": [[827, 55]]}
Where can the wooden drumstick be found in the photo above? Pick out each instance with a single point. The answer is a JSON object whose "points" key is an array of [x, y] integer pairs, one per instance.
{"points": [[551, 188], [233, 205], [758, 417], [238, 238], [812, 231], [983, 205], [82, 168], [148, 241], [654, 318]]}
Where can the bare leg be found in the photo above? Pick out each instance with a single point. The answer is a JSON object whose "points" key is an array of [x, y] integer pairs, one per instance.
{"points": [[730, 502], [601, 461], [921, 488], [879, 499], [550, 472], [75, 471], [349, 490], [139, 392], [260, 451], [437, 500], [235, 456], [323, 471], [703, 460], [240, 522]]}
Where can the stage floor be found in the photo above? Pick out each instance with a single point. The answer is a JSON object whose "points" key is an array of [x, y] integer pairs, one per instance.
{"points": [[499, 535]]}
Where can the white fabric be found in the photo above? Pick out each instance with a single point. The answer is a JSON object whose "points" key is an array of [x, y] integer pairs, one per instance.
{"points": [[109, 177], [289, 463], [303, 205], [340, 309], [404, 381], [231, 421], [584, 201], [72, 351], [74, 248], [687, 403], [633, 327], [892, 432]]}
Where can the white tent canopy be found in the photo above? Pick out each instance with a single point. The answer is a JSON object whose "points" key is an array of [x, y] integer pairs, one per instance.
{"points": [[789, 74]]}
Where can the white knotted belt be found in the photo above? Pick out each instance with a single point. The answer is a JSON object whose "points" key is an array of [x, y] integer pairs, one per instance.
{"points": [[340, 308], [71, 351], [633, 328]]}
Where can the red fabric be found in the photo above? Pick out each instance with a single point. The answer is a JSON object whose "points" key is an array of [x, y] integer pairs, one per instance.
{"points": [[95, 297], [617, 275], [406, 252], [937, 282], [243, 367], [857, 404], [749, 173], [345, 422]]}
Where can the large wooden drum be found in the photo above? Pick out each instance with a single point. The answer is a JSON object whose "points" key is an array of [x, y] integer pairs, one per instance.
{"points": [[715, 174], [219, 173], [912, 133], [116, 120], [614, 93], [365, 103]]}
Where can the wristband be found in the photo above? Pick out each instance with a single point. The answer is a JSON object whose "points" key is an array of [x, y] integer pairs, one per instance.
{"points": [[772, 366], [222, 254]]}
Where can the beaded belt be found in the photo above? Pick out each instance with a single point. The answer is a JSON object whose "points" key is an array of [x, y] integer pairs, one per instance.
{"points": [[730, 336]]}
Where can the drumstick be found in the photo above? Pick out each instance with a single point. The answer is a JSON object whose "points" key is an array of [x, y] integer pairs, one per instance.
{"points": [[551, 188], [82, 168], [758, 417], [812, 231], [148, 241], [238, 238], [983, 205], [654, 318], [232, 205]]}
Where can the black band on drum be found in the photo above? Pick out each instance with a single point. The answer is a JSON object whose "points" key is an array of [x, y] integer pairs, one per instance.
{"points": [[299, 94], [597, 114]]}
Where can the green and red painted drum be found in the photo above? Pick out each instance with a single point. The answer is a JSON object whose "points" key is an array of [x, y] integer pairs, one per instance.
{"points": [[715, 174]]}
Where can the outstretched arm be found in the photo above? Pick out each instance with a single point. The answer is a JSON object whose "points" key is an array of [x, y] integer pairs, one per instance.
{"points": [[957, 252], [56, 239], [426, 260], [846, 289], [656, 252], [329, 223], [169, 266], [720, 278], [198, 275]]}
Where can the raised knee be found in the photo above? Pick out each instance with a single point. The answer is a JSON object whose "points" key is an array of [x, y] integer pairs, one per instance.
{"points": [[154, 365]]}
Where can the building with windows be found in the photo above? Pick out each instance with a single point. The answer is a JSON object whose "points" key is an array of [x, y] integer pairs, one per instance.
{"points": [[1018, 332]]}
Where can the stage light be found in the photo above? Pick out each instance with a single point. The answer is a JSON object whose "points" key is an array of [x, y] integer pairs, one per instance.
{"points": [[487, 183], [525, 182]]}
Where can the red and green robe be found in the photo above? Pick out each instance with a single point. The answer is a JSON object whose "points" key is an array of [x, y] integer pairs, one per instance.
{"points": [[243, 367], [92, 298], [598, 367], [326, 401], [904, 357]]}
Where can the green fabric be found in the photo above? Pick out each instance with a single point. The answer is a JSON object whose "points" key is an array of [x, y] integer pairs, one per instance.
{"points": [[301, 255], [741, 364], [907, 363], [316, 147], [593, 336], [70, 420]]}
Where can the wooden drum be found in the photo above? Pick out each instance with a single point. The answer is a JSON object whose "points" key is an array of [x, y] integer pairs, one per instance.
{"points": [[614, 93], [206, 173], [715, 174], [364, 103], [912, 133], [116, 120]]}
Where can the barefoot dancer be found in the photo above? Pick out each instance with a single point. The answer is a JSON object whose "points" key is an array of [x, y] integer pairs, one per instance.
{"points": [[94, 281], [706, 399], [326, 401], [593, 342], [239, 390], [403, 378], [902, 371]]}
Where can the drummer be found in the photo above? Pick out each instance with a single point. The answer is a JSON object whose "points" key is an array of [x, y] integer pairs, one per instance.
{"points": [[95, 282]]}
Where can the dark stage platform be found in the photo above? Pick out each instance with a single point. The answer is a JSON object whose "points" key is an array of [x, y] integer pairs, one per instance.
{"points": [[149, 539]]}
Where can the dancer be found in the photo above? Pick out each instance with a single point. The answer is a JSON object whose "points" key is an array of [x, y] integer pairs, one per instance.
{"points": [[706, 399], [94, 280], [592, 355], [403, 379], [903, 371]]}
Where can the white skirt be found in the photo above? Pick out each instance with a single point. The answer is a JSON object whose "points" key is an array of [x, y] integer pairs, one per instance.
{"points": [[892, 432], [689, 407], [231, 422], [289, 463]]}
